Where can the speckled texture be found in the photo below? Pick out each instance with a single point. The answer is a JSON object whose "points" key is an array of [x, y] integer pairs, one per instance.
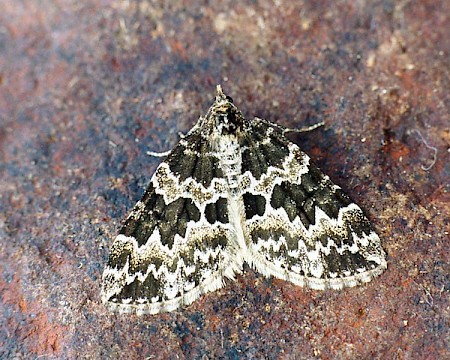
{"points": [[87, 87]]}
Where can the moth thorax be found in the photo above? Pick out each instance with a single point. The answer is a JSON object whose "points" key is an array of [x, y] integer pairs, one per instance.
{"points": [[230, 159], [228, 120]]}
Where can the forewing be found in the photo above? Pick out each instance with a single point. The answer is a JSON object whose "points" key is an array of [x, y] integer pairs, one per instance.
{"points": [[299, 225], [175, 243]]}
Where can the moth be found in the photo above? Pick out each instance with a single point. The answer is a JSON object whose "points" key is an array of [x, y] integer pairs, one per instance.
{"points": [[231, 191]]}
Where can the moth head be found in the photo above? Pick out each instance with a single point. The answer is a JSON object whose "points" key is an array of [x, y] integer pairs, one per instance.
{"points": [[224, 115]]}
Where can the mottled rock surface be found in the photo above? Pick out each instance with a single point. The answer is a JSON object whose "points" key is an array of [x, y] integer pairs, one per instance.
{"points": [[86, 88]]}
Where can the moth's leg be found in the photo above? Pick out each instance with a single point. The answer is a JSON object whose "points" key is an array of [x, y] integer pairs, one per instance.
{"points": [[164, 153], [158, 154], [304, 129], [285, 130]]}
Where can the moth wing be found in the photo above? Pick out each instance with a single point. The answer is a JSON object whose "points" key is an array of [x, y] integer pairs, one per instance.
{"points": [[300, 226], [176, 243]]}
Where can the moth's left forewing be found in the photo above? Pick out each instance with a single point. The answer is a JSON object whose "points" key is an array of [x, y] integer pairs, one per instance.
{"points": [[300, 226], [177, 242]]}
